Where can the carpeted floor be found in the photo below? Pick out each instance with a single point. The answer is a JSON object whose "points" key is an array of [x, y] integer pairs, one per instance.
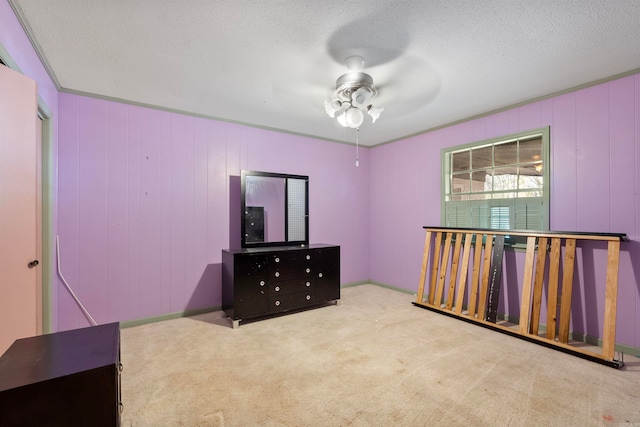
{"points": [[373, 360]]}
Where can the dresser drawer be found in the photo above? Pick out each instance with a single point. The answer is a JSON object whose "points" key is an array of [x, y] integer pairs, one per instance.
{"points": [[291, 301], [290, 265], [290, 286]]}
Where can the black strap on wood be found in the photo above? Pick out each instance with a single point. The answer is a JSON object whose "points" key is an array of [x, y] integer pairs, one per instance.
{"points": [[496, 277]]}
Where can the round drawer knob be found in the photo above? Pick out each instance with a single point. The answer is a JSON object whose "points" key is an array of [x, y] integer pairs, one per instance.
{"points": [[308, 256], [277, 303], [277, 274], [319, 274], [308, 284], [261, 282], [308, 297], [308, 270], [277, 288], [277, 259]]}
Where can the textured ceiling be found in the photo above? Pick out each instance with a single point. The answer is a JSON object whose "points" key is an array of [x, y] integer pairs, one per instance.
{"points": [[272, 63]]}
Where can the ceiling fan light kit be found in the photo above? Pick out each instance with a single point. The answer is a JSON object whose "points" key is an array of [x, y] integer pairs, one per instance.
{"points": [[353, 95]]}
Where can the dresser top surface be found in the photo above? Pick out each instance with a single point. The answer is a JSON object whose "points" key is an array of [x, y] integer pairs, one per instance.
{"points": [[279, 248], [44, 357]]}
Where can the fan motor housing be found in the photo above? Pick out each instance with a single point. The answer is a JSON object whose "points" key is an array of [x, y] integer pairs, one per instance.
{"points": [[348, 83]]}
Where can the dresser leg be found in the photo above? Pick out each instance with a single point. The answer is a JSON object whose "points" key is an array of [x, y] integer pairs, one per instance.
{"points": [[235, 324], [337, 302]]}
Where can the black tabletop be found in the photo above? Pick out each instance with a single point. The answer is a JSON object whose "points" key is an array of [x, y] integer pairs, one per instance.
{"points": [[44, 357]]}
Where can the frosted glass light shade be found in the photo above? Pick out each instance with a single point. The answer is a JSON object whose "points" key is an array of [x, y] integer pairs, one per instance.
{"points": [[353, 117], [374, 112]]}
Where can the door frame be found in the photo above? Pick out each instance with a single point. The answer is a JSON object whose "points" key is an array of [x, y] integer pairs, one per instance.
{"points": [[47, 211], [47, 204]]}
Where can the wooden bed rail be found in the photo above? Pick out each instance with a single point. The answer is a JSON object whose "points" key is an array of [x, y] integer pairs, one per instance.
{"points": [[466, 270]]}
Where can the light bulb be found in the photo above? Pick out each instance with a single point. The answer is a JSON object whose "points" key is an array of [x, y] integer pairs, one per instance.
{"points": [[353, 117]]}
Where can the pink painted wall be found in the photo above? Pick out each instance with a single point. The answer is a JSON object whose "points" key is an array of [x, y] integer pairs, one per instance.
{"points": [[595, 182], [144, 204]]}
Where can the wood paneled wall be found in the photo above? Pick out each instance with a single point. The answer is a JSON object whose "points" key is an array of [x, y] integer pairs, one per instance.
{"points": [[144, 203], [595, 182]]}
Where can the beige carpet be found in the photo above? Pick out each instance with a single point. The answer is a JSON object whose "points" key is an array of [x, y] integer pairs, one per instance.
{"points": [[373, 360]]}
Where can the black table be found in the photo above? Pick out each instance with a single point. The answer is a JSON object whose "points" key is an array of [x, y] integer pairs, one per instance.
{"points": [[69, 378]]}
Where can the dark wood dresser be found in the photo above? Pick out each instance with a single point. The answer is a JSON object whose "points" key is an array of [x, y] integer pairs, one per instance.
{"points": [[69, 378], [264, 281]]}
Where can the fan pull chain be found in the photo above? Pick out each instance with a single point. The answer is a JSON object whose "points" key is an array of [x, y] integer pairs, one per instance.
{"points": [[357, 146]]}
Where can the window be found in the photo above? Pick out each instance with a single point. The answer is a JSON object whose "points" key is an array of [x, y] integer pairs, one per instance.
{"points": [[501, 183]]}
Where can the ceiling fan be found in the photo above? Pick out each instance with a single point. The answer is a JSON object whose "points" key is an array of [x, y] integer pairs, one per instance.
{"points": [[353, 96]]}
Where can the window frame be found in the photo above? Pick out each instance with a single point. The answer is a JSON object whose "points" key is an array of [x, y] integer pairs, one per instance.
{"points": [[445, 155]]}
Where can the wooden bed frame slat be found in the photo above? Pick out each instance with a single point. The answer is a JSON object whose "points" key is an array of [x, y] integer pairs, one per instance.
{"points": [[541, 260], [552, 290], [451, 261]]}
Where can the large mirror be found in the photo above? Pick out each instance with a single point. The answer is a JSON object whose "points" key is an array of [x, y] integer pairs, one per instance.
{"points": [[275, 209]]}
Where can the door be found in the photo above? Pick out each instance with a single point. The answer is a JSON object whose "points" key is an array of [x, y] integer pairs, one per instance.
{"points": [[18, 219]]}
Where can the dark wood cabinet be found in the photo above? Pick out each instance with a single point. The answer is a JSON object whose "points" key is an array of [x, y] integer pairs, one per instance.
{"points": [[69, 378], [263, 281]]}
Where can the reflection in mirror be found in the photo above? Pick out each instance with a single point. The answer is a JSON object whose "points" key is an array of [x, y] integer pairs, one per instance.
{"points": [[264, 201], [296, 209], [274, 209], [254, 224]]}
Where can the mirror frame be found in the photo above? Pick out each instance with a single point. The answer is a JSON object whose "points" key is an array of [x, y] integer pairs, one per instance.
{"points": [[243, 187]]}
